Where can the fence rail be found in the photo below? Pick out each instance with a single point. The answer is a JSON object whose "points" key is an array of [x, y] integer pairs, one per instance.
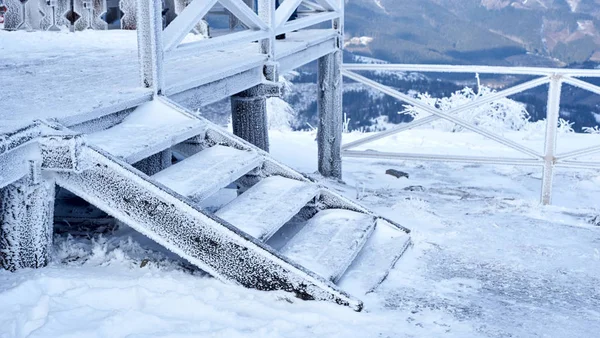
{"points": [[548, 159]]}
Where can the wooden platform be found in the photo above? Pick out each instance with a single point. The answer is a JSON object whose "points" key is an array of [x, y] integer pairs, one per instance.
{"points": [[78, 77]]}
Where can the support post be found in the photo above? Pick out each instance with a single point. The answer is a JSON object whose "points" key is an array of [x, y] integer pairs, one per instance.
{"points": [[553, 112], [249, 108], [26, 222], [329, 106], [249, 117], [150, 44]]}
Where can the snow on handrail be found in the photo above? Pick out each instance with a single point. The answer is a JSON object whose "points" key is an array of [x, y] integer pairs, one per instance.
{"points": [[423, 68]]}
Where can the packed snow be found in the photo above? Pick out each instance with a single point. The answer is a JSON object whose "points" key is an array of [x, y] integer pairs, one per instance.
{"points": [[487, 261]]}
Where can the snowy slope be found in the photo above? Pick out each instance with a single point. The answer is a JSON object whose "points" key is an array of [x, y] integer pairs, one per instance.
{"points": [[488, 261]]}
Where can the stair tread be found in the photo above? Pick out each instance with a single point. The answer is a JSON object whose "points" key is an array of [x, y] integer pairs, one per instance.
{"points": [[376, 259], [149, 129], [268, 205], [204, 173], [330, 241]]}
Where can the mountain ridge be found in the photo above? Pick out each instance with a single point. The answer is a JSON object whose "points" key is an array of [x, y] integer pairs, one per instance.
{"points": [[501, 32]]}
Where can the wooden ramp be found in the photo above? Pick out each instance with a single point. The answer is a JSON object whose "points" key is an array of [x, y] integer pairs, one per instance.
{"points": [[339, 244]]}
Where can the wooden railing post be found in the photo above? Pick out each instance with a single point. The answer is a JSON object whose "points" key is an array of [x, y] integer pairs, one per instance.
{"points": [[552, 115], [150, 44], [266, 12]]}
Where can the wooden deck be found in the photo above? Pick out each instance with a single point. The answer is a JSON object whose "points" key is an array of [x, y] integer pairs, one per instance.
{"points": [[78, 77]]}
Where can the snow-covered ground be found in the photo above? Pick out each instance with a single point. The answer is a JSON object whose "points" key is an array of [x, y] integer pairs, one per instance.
{"points": [[488, 261]]}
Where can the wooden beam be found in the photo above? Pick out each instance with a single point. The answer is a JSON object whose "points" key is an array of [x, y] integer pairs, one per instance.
{"points": [[307, 21], [185, 21], [241, 11], [15, 163], [306, 55], [207, 45], [285, 11], [215, 91]]}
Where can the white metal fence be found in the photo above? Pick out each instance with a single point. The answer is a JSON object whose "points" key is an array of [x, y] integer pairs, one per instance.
{"points": [[548, 160]]}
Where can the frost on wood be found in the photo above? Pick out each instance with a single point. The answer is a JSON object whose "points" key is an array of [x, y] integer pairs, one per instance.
{"points": [[149, 129], [268, 205], [51, 15], [25, 16], [216, 248], [150, 45], [26, 211], [60, 153], [378, 257], [249, 118], [329, 105], [90, 11], [330, 241], [203, 174], [128, 21]]}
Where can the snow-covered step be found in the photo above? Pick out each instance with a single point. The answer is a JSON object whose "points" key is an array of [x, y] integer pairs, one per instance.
{"points": [[330, 241], [149, 129], [204, 173], [264, 208], [373, 264]]}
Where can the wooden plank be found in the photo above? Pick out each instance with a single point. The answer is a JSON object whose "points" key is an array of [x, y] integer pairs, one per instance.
{"points": [[330, 241], [376, 259], [304, 53], [219, 66], [151, 128], [207, 45], [306, 22], [218, 90], [203, 174], [267, 206]]}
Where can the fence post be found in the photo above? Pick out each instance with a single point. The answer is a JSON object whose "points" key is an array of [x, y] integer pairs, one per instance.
{"points": [[552, 115], [150, 44], [329, 106]]}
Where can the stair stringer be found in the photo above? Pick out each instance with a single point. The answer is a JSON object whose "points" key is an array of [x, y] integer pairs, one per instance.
{"points": [[174, 222]]}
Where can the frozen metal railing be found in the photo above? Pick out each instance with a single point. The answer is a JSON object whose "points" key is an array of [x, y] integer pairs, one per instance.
{"points": [[548, 160]]}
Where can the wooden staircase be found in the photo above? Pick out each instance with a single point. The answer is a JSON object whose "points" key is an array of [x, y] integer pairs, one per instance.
{"points": [[337, 250]]}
